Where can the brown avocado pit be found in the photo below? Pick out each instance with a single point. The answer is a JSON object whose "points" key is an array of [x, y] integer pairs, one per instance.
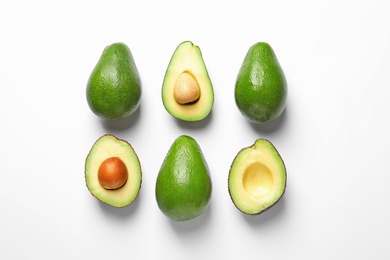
{"points": [[112, 173]]}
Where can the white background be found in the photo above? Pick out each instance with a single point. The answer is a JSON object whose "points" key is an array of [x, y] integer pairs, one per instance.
{"points": [[333, 135]]}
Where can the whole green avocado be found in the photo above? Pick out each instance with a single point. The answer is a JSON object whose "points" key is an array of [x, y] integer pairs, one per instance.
{"points": [[114, 86], [183, 186], [261, 88]]}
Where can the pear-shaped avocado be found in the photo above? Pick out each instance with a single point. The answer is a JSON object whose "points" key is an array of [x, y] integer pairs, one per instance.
{"points": [[114, 86], [257, 178], [113, 171], [183, 186], [187, 91], [261, 88]]}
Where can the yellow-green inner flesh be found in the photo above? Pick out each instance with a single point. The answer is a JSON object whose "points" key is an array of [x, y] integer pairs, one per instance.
{"points": [[104, 148], [257, 178], [188, 58]]}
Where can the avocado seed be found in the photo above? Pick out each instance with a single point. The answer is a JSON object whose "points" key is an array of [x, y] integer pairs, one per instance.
{"points": [[186, 89], [112, 173]]}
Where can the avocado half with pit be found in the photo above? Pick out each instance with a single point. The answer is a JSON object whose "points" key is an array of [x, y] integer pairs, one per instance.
{"points": [[113, 171], [187, 91], [257, 178]]}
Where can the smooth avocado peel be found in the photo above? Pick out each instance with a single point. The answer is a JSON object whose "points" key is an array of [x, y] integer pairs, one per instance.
{"points": [[261, 88], [113, 171], [187, 91], [183, 185], [257, 178], [114, 87]]}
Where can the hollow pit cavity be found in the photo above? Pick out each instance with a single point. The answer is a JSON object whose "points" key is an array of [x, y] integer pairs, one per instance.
{"points": [[258, 180]]}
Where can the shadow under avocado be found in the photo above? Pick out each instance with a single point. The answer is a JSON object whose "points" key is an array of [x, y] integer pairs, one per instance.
{"points": [[118, 125], [271, 213], [120, 213], [198, 223], [272, 126], [201, 124]]}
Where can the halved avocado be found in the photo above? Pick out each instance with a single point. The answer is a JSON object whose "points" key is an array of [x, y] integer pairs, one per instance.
{"points": [[113, 171], [187, 91], [257, 178]]}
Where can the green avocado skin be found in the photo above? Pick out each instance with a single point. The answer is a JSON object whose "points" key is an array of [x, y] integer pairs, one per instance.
{"points": [[183, 186], [261, 88], [114, 86]]}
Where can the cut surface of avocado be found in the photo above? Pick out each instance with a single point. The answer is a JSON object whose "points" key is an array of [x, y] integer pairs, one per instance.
{"points": [[257, 178], [187, 91], [110, 156]]}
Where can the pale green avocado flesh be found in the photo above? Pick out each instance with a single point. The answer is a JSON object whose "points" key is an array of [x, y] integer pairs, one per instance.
{"points": [[105, 147], [188, 58], [257, 178]]}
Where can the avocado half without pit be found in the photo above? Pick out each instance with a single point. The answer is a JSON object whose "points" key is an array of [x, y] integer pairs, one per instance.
{"points": [[187, 91], [257, 178], [113, 171]]}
